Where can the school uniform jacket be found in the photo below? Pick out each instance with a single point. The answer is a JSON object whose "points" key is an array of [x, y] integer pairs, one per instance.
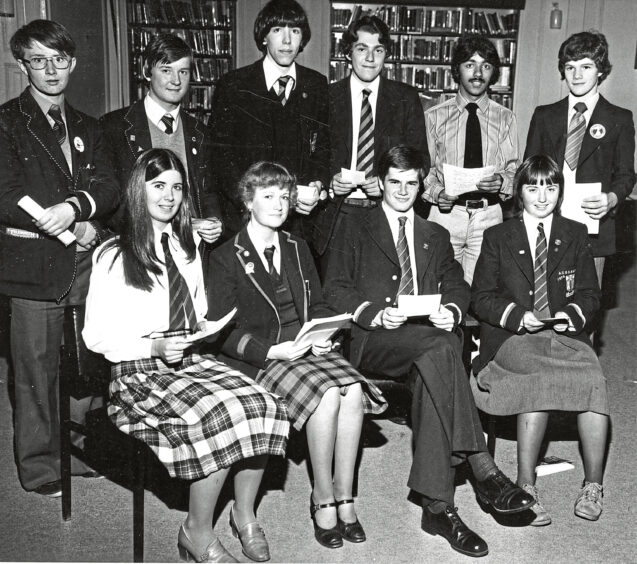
{"points": [[399, 120], [363, 271], [32, 163], [249, 124], [608, 159], [237, 278], [503, 283], [128, 134]]}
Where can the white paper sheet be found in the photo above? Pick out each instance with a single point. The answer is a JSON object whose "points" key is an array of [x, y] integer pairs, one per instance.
{"points": [[416, 306], [36, 211], [212, 327], [352, 176], [308, 194], [320, 330], [460, 180], [572, 203]]}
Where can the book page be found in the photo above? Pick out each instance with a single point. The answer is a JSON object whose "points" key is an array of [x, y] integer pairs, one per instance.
{"points": [[320, 330]]}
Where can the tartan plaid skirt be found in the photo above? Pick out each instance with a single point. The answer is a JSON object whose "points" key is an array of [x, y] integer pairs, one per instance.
{"points": [[198, 417], [302, 383]]}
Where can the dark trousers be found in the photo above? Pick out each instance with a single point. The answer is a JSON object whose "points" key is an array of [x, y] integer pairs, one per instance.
{"points": [[445, 422], [36, 336]]}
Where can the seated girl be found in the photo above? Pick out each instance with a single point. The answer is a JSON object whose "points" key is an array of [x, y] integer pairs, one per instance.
{"points": [[534, 291], [270, 277], [200, 417]]}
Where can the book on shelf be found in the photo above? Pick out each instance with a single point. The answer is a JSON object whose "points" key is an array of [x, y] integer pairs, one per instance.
{"points": [[181, 12], [552, 464]]}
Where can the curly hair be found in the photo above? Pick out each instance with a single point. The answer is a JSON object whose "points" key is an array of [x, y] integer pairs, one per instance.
{"points": [[586, 44]]}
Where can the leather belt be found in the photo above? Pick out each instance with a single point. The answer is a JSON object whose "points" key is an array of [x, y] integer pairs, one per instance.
{"points": [[472, 202], [20, 233], [361, 202]]}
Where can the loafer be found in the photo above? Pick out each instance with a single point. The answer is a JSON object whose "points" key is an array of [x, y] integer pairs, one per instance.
{"points": [[252, 537], [329, 538], [588, 504], [503, 495], [351, 532], [215, 551], [448, 525], [50, 489], [542, 516]]}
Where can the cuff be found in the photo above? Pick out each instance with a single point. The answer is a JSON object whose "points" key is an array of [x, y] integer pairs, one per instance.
{"points": [[86, 203], [576, 316], [512, 318], [457, 313], [365, 315]]}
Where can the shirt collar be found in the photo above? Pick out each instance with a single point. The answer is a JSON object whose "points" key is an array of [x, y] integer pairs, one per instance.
{"points": [[531, 223], [45, 104], [260, 244], [273, 73], [393, 215], [482, 102], [154, 112], [589, 99], [357, 85]]}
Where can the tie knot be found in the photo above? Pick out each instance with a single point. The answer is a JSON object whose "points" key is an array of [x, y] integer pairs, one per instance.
{"points": [[283, 80], [269, 253], [164, 241], [168, 120], [55, 112], [580, 107], [540, 227], [366, 92], [472, 108], [402, 220]]}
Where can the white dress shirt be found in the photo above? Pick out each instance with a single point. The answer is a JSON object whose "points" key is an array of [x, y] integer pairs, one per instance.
{"points": [[590, 100], [154, 112], [260, 245], [530, 224], [272, 74], [394, 225]]}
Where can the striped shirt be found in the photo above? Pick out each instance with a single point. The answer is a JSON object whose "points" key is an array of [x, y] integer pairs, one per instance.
{"points": [[446, 125]]}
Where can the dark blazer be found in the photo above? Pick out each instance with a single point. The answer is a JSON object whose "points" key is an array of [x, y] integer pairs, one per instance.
{"points": [[32, 163], [609, 160], [363, 271], [237, 278], [127, 134], [504, 280], [249, 124], [400, 119]]}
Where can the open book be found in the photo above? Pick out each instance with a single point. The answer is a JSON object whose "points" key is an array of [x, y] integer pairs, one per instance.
{"points": [[321, 329], [207, 328]]}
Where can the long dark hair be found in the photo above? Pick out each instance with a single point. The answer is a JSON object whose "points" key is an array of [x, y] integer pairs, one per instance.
{"points": [[136, 242]]}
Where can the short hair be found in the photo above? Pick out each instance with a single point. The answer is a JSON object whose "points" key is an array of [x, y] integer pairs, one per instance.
{"points": [[464, 50], [534, 170], [264, 174], [51, 34], [164, 48], [370, 24], [281, 13], [402, 157], [586, 44]]}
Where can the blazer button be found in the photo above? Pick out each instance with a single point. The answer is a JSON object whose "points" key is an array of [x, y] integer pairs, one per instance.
{"points": [[394, 277], [388, 300], [530, 292]]}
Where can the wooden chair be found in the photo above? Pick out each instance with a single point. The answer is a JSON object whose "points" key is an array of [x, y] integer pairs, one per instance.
{"points": [[84, 373]]}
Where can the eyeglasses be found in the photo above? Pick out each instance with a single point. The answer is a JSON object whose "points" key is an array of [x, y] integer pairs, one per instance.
{"points": [[39, 63]]}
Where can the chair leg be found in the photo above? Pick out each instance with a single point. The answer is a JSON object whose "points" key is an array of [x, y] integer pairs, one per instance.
{"points": [[491, 435], [139, 477], [65, 442]]}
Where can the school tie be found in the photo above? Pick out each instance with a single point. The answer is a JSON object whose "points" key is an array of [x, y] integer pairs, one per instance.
{"points": [[406, 277], [182, 310], [168, 121], [541, 299], [269, 256], [281, 88], [365, 151], [576, 130], [59, 128], [473, 138]]}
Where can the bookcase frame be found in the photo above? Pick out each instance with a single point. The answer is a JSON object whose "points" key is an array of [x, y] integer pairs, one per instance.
{"points": [[421, 52], [212, 39]]}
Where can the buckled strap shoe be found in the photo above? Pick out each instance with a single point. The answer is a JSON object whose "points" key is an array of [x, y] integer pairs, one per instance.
{"points": [[329, 538], [448, 525], [215, 551], [503, 495], [252, 538], [352, 532], [589, 502]]}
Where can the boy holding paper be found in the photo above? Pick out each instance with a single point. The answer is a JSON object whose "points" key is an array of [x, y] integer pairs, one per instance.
{"points": [[54, 154], [471, 131], [377, 258], [592, 140]]}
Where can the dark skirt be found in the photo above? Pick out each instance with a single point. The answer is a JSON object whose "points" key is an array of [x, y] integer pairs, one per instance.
{"points": [[545, 371], [198, 417], [303, 382]]}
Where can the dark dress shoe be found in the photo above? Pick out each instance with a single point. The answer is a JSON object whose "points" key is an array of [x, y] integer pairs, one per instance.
{"points": [[50, 489], [448, 525], [503, 495], [329, 538], [352, 532]]}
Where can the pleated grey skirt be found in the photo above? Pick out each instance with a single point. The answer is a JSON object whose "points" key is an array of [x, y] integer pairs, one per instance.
{"points": [[545, 371]]}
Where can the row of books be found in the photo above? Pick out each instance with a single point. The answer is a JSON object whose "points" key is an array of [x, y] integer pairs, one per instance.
{"points": [[192, 12], [409, 19], [204, 42], [203, 70]]}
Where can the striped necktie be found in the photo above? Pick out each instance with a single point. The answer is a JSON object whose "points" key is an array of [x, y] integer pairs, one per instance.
{"points": [[59, 128], [576, 131], [406, 277], [541, 299], [269, 256], [365, 152], [282, 84], [168, 121], [182, 310]]}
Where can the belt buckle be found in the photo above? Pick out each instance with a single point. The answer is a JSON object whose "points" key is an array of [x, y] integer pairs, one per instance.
{"points": [[482, 201]]}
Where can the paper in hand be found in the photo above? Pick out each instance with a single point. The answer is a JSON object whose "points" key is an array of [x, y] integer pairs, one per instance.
{"points": [[211, 327], [418, 306], [352, 176], [460, 180], [36, 211], [571, 207]]}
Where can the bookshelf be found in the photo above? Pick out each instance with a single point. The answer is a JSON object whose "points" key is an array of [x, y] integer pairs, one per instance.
{"points": [[423, 38], [208, 26]]}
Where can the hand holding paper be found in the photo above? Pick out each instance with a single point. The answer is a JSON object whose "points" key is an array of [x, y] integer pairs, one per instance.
{"points": [[352, 176], [460, 180], [418, 306], [574, 194], [36, 211]]}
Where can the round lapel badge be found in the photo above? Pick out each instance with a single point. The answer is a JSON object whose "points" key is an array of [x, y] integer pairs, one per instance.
{"points": [[598, 131], [79, 144]]}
